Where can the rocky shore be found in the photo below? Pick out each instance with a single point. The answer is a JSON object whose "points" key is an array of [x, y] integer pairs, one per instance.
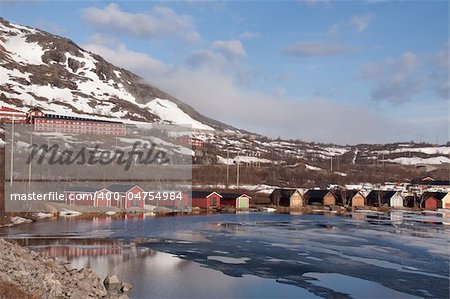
{"points": [[26, 274]]}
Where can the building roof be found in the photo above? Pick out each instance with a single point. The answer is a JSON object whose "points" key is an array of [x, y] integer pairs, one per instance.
{"points": [[7, 109], [283, 193], [82, 189], [120, 188], [381, 194], [350, 193], [203, 194], [430, 182], [75, 118], [233, 195], [437, 195], [317, 194]]}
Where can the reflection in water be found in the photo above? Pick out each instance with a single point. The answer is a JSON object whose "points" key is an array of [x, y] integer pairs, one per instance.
{"points": [[161, 275], [70, 248], [355, 287], [257, 255]]}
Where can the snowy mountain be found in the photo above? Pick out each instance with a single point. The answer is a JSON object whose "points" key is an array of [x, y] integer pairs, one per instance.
{"points": [[51, 72]]}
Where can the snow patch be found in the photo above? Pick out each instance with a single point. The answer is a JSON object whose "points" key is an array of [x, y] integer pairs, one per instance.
{"points": [[170, 112], [417, 160], [22, 51], [242, 159], [313, 167]]}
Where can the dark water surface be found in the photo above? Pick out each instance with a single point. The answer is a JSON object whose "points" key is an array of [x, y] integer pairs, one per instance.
{"points": [[359, 255]]}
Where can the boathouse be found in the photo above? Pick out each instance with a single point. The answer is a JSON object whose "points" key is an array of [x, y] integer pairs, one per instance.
{"points": [[235, 200], [287, 197], [205, 199], [320, 197], [432, 200], [377, 198], [127, 196]]}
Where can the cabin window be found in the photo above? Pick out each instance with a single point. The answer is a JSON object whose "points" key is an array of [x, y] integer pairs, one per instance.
{"points": [[213, 201]]}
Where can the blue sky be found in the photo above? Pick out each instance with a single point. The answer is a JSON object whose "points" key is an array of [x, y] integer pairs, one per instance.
{"points": [[346, 72]]}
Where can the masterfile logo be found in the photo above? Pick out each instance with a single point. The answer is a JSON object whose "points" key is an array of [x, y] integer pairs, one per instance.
{"points": [[145, 156], [148, 158]]}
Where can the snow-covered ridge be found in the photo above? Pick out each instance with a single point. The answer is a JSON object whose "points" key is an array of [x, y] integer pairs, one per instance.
{"points": [[39, 69], [417, 160], [438, 150]]}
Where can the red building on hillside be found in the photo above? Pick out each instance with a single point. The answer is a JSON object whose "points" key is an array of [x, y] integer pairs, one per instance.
{"points": [[75, 125], [46, 122], [9, 115], [196, 142]]}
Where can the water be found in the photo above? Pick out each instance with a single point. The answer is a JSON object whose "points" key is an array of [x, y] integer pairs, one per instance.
{"points": [[360, 255]]}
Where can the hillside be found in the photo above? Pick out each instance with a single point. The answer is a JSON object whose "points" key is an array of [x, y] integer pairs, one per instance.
{"points": [[52, 72]]}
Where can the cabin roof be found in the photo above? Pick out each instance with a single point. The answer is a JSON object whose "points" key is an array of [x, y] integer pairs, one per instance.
{"points": [[82, 189], [437, 195], [284, 193], [120, 188], [382, 194], [233, 195], [318, 194], [204, 194]]}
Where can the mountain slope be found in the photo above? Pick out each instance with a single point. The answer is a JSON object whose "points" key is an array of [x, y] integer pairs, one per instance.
{"points": [[44, 70], [51, 72]]}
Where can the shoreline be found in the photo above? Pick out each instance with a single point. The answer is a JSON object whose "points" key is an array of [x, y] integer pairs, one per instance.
{"points": [[25, 273]]}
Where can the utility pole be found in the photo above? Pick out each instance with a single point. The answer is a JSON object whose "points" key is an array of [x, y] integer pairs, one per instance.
{"points": [[29, 165], [12, 154], [331, 163], [259, 160], [228, 165], [237, 170]]}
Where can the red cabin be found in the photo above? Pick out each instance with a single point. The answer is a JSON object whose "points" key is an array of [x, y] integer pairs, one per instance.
{"points": [[205, 199], [103, 198], [235, 200], [432, 200], [127, 196], [173, 200]]}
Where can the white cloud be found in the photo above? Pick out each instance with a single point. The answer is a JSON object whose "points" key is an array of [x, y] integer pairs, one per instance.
{"points": [[247, 35], [232, 49], [160, 22], [319, 49], [102, 39], [439, 77], [399, 80], [216, 94], [120, 55], [313, 3], [222, 55], [333, 30], [279, 91], [361, 23], [206, 57]]}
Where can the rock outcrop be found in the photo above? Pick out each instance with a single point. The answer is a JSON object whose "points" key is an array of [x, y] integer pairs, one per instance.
{"points": [[26, 274]]}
